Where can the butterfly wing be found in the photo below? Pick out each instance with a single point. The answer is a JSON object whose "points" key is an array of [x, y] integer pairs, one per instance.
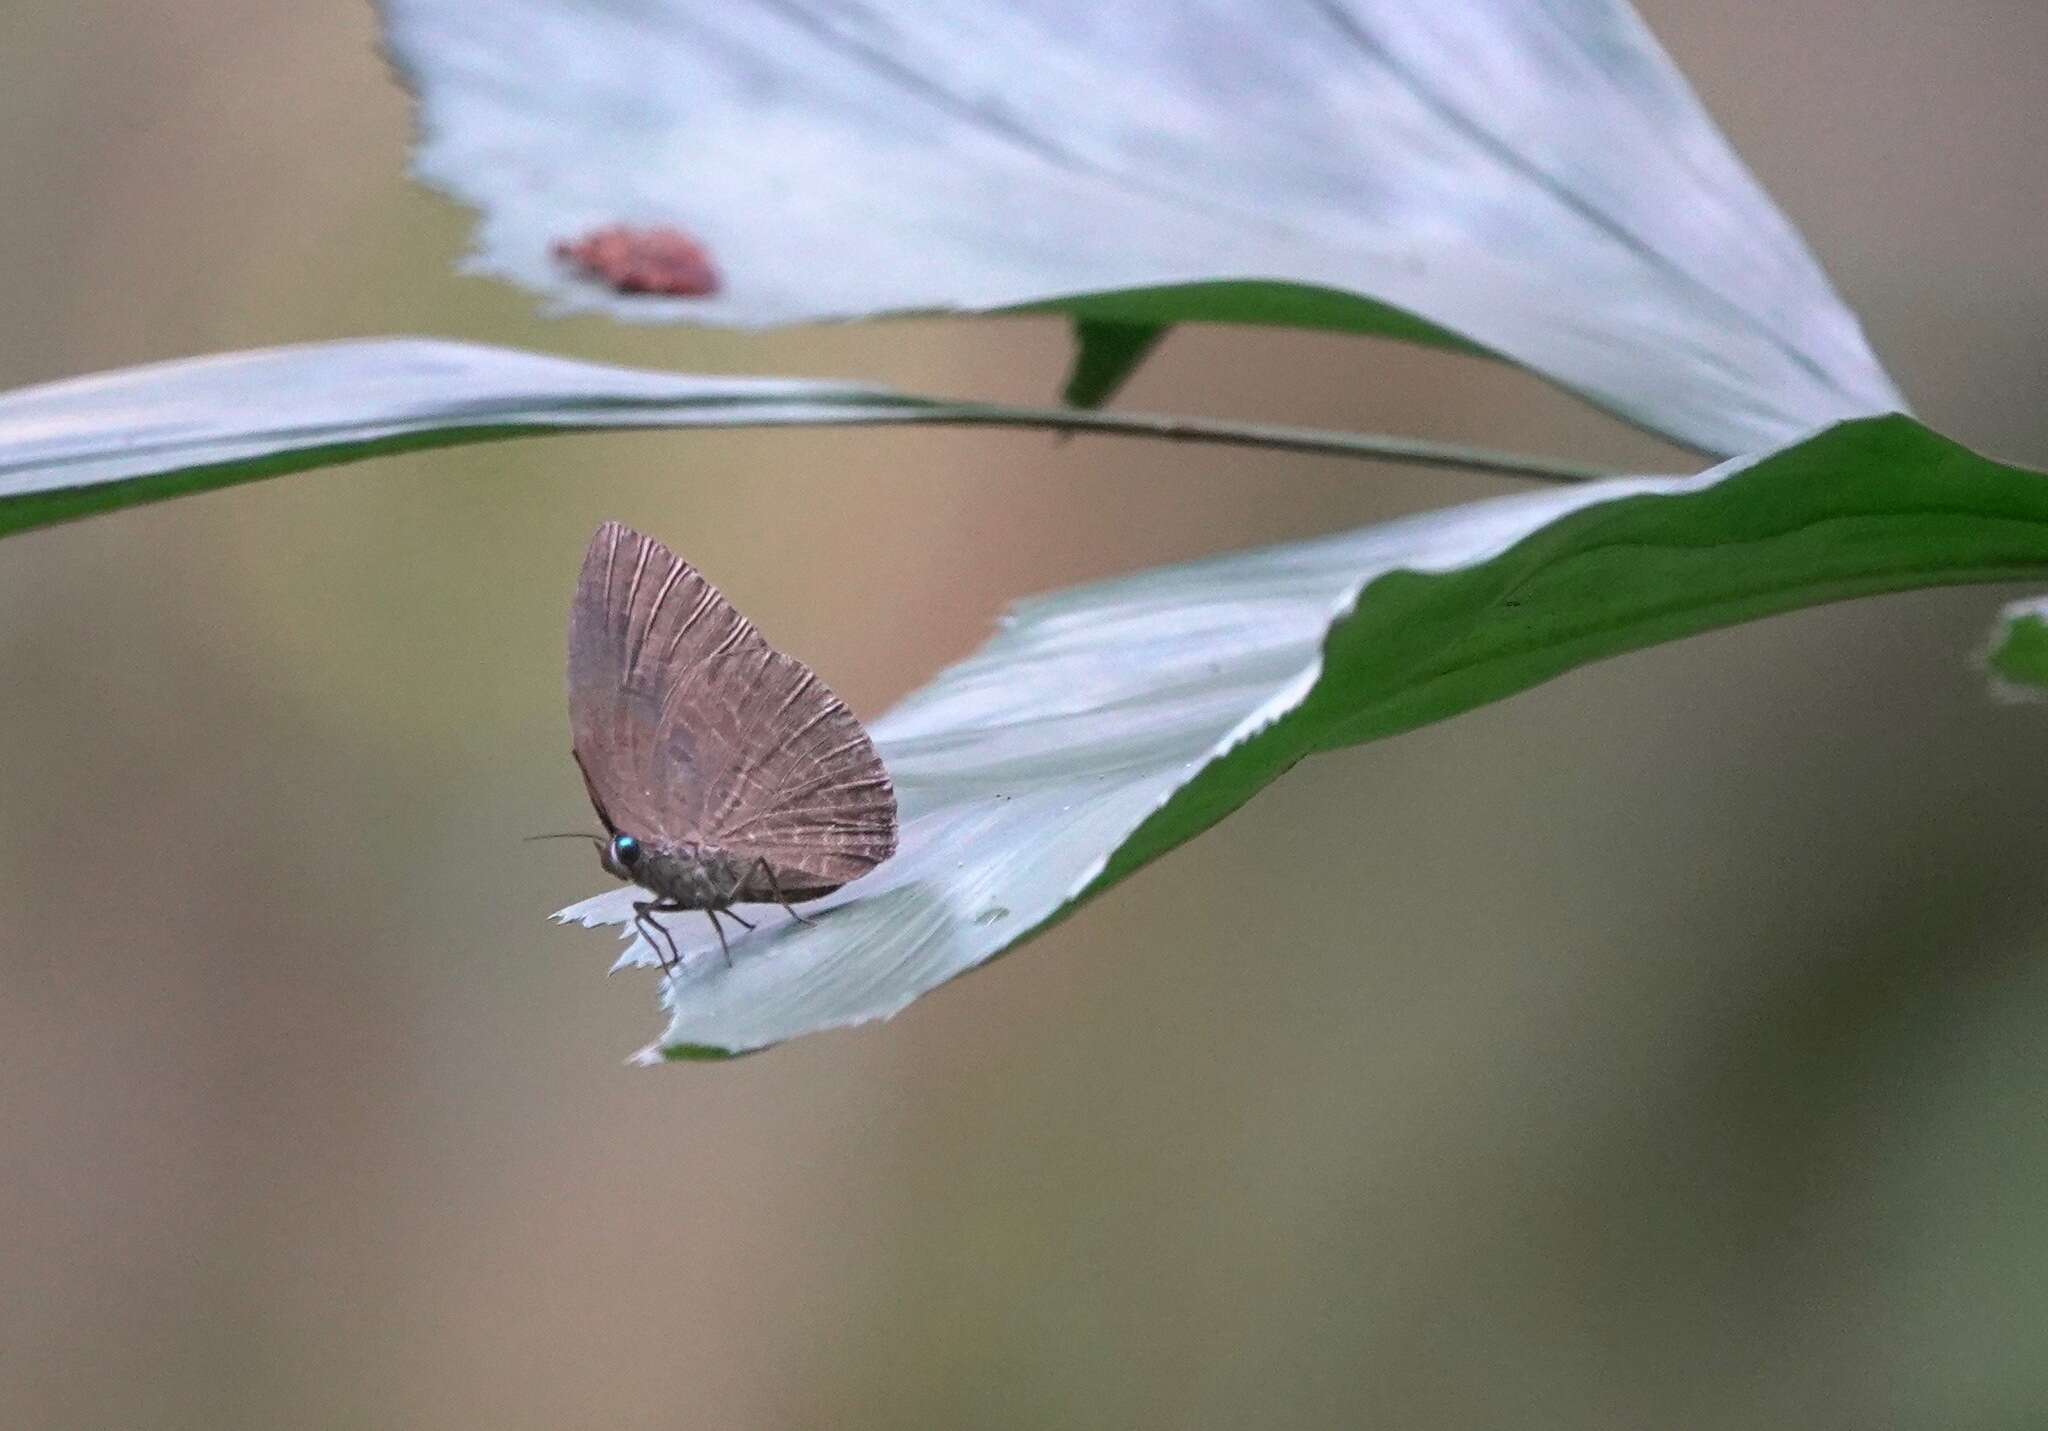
{"points": [[690, 726], [642, 624]]}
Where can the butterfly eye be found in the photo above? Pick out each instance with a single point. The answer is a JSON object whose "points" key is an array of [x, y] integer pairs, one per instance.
{"points": [[625, 851]]}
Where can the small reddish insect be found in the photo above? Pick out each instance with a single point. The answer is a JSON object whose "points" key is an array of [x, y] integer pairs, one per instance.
{"points": [[635, 260]]}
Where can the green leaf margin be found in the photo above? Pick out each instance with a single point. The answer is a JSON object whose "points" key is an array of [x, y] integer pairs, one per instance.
{"points": [[1866, 507]]}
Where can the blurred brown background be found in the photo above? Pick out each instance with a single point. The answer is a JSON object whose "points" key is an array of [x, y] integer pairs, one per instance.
{"points": [[1662, 1047]]}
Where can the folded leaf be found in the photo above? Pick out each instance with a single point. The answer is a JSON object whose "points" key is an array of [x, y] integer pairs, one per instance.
{"points": [[91, 444], [1103, 726], [1535, 181]]}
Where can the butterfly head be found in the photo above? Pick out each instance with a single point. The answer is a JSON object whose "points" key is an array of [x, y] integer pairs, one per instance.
{"points": [[622, 856]]}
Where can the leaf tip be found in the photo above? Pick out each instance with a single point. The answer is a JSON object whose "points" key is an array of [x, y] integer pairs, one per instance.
{"points": [[1105, 356]]}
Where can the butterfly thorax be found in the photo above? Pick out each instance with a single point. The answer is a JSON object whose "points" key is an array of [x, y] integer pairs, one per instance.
{"points": [[692, 876]]}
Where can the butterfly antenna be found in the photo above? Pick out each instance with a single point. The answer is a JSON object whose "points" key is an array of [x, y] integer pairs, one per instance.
{"points": [[571, 835]]}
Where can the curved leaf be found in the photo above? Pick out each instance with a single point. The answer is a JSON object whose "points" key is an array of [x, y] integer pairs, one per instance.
{"points": [[91, 444], [1532, 180], [1103, 726]]}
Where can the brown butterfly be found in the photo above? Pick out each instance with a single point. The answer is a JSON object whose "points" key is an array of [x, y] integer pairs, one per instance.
{"points": [[724, 771]]}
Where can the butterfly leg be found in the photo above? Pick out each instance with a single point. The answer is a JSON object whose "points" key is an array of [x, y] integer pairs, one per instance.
{"points": [[776, 885], [719, 929], [650, 927], [726, 908]]}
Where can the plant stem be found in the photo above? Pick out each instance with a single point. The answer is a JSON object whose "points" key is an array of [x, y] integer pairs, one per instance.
{"points": [[1376, 447]]}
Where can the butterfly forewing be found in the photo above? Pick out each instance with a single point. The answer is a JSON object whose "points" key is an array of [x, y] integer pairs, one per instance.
{"points": [[689, 726], [642, 619]]}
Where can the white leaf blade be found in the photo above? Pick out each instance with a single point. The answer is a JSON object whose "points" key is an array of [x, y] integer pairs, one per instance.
{"points": [[1536, 179]]}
